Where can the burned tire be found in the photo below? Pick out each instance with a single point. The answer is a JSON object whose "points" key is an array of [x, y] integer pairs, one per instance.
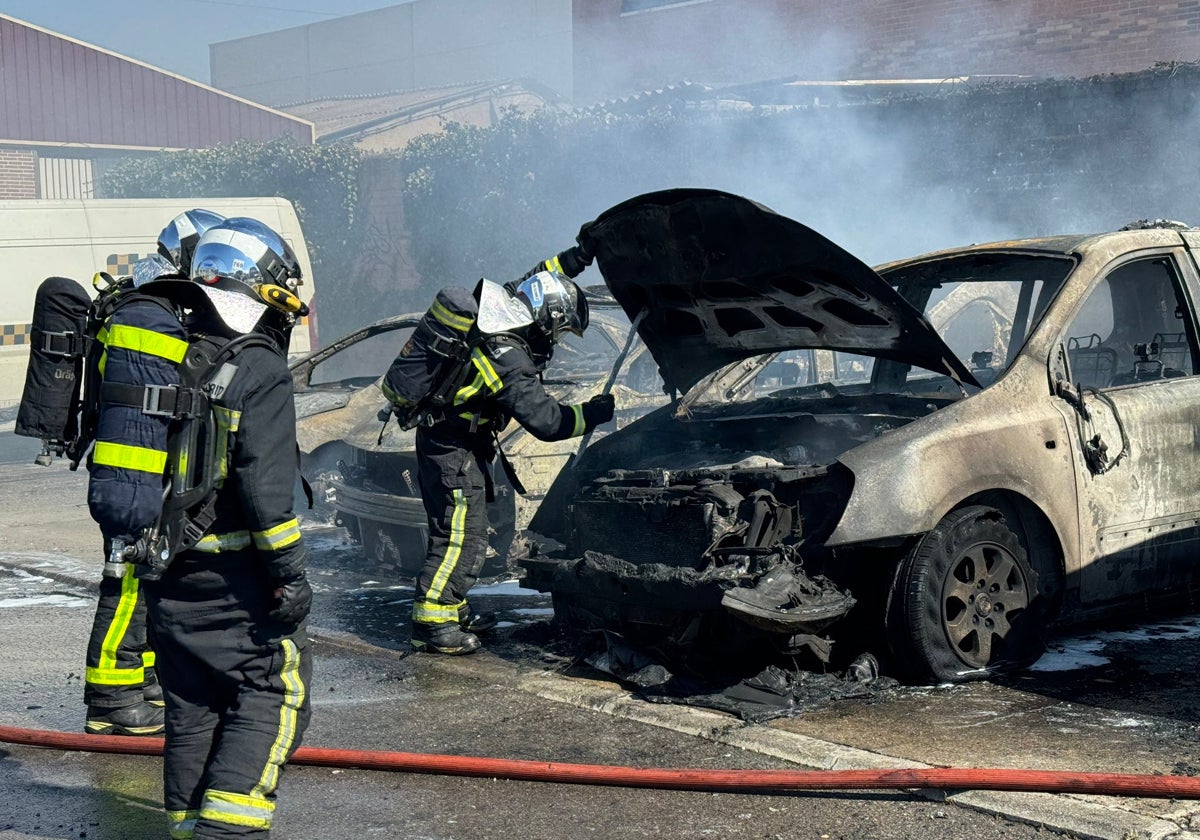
{"points": [[965, 603]]}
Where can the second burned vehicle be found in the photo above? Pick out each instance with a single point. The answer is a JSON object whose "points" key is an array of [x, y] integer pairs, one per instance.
{"points": [[364, 472], [931, 461]]}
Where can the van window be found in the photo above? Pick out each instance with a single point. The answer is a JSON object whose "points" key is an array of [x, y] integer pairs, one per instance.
{"points": [[1131, 328]]}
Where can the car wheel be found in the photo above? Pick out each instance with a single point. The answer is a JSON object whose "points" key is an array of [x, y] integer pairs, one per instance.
{"points": [[965, 602]]}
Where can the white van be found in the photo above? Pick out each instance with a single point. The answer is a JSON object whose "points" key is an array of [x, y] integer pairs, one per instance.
{"points": [[75, 238]]}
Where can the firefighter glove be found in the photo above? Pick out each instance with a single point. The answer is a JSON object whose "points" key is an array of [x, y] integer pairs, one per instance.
{"points": [[570, 262], [574, 260], [293, 597], [599, 409]]}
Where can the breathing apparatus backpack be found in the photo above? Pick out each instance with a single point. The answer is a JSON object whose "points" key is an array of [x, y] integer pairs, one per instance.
{"points": [[64, 391], [423, 379], [65, 323]]}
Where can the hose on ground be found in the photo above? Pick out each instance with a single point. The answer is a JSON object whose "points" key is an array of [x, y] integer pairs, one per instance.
{"points": [[731, 781]]}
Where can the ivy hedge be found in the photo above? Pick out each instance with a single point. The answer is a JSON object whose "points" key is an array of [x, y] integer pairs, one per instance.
{"points": [[322, 182]]}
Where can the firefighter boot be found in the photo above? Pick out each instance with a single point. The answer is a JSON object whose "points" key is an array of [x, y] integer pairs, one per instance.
{"points": [[475, 622], [450, 639], [139, 719], [152, 691]]}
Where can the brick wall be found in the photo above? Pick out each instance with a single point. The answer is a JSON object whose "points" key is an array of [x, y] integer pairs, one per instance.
{"points": [[729, 41], [18, 173]]}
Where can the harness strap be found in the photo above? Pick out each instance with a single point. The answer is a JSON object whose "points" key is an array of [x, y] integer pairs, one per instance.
{"points": [[159, 400]]}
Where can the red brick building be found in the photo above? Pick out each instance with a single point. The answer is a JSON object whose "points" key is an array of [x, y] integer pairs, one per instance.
{"points": [[622, 46], [66, 106]]}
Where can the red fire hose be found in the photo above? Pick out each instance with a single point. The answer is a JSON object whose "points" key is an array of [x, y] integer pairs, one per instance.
{"points": [[737, 781]]}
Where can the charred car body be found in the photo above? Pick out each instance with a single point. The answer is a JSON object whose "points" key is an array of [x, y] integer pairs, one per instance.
{"points": [[930, 461], [365, 472]]}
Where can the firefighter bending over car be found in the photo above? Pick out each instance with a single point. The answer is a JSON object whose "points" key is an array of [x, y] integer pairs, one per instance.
{"points": [[512, 339]]}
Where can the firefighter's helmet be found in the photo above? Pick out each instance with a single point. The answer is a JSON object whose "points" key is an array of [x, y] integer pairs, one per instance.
{"points": [[557, 304], [178, 239]]}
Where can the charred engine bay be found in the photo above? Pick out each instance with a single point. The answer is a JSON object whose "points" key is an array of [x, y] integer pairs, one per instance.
{"points": [[695, 554]]}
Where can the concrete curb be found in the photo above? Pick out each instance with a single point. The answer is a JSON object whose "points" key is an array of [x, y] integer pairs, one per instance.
{"points": [[1085, 817]]}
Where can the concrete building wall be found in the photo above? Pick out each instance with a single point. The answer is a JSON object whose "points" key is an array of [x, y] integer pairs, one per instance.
{"points": [[622, 46], [424, 43]]}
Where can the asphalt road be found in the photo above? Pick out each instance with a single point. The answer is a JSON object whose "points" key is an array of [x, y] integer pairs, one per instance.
{"points": [[1119, 700]]}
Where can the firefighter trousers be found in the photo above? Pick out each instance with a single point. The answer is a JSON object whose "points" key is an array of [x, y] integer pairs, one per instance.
{"points": [[452, 471], [118, 658], [236, 685]]}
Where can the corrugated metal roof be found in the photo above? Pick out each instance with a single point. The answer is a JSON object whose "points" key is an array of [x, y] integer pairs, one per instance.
{"points": [[56, 90], [390, 119]]}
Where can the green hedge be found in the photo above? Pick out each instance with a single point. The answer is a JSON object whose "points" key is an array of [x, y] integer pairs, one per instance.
{"points": [[321, 181]]}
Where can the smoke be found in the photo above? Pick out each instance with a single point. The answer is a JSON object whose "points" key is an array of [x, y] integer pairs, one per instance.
{"points": [[907, 172]]}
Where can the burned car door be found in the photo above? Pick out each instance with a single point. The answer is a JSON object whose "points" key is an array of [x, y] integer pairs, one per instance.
{"points": [[1132, 353]]}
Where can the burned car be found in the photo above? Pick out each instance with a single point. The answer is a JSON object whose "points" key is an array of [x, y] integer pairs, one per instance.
{"points": [[364, 470], [930, 462]]}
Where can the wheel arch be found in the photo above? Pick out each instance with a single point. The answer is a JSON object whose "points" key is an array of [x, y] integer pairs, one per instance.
{"points": [[1038, 535]]}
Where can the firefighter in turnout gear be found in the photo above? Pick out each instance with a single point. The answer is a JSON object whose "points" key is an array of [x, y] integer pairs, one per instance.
{"points": [[455, 452], [228, 615], [144, 342]]}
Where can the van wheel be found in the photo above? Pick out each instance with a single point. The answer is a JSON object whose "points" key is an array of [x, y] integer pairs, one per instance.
{"points": [[965, 601]]}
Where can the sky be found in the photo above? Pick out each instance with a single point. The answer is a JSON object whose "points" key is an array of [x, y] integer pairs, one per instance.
{"points": [[175, 34]]}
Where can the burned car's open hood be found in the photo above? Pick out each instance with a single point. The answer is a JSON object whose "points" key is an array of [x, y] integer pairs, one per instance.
{"points": [[724, 278]]}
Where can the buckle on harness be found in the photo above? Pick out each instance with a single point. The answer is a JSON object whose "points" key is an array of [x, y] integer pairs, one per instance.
{"points": [[65, 344], [192, 534], [152, 400]]}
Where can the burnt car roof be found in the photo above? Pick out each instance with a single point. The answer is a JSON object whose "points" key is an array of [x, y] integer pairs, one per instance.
{"points": [[1059, 246], [723, 278]]}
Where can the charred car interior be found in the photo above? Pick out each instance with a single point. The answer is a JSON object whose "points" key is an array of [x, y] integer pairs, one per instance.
{"points": [[920, 466]]}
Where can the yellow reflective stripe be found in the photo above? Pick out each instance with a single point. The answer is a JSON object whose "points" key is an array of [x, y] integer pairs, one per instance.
{"points": [[182, 824], [467, 391], [490, 377], [228, 422], [115, 676], [458, 534], [102, 337], [428, 613], [391, 395], [181, 467], [217, 543], [141, 340], [461, 323], [148, 658], [125, 457], [106, 672], [276, 538], [289, 712], [553, 264], [236, 809], [227, 418], [470, 415], [580, 425]]}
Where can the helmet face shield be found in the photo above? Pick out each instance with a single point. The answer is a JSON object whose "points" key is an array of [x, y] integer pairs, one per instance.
{"points": [[148, 269]]}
